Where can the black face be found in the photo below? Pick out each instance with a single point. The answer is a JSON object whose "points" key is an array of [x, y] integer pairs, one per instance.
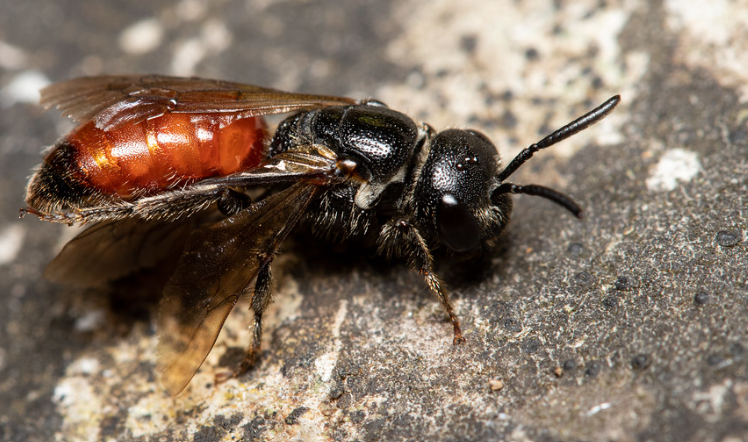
{"points": [[453, 194], [347, 168]]}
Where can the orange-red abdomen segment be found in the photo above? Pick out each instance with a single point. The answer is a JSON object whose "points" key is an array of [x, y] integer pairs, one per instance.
{"points": [[157, 154]]}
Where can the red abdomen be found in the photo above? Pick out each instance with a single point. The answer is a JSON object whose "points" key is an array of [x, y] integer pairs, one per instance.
{"points": [[145, 158], [167, 151]]}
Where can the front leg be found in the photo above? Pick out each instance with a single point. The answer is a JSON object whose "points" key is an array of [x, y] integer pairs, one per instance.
{"points": [[400, 238]]}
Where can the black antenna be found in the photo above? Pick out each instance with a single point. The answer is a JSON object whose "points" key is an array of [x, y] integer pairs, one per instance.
{"points": [[565, 132], [561, 134], [531, 189]]}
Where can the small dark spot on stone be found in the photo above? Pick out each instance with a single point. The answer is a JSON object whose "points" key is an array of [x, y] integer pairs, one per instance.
{"points": [[468, 43], [593, 369], [254, 429], [511, 324], [575, 249], [544, 129], [531, 54], [641, 361], [714, 359], [727, 238], [531, 345], [597, 82], [583, 279], [358, 416], [702, 298], [337, 390], [507, 95], [623, 283], [293, 418], [508, 120], [610, 302], [344, 401], [569, 365], [736, 348]]}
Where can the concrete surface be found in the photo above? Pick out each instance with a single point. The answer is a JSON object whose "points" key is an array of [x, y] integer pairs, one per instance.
{"points": [[627, 326]]}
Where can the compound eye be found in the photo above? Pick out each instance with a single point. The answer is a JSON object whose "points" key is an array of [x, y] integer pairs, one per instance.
{"points": [[457, 226]]}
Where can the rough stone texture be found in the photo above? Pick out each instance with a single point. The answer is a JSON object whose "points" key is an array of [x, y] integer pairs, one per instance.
{"points": [[627, 326]]}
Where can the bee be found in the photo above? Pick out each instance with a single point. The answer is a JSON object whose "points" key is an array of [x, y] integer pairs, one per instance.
{"points": [[154, 154]]}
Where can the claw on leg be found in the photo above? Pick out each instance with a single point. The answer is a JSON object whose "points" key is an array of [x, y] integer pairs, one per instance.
{"points": [[400, 238], [435, 285]]}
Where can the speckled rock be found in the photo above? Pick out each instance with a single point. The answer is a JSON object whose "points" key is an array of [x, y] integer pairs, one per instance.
{"points": [[629, 325]]}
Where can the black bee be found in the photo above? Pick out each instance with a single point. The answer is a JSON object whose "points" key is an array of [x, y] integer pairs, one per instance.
{"points": [[153, 153]]}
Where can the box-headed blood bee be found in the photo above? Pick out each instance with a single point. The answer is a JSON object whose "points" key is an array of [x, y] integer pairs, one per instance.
{"points": [[153, 153]]}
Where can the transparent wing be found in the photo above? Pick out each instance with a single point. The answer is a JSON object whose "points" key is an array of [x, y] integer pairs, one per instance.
{"points": [[111, 250], [113, 100], [219, 263]]}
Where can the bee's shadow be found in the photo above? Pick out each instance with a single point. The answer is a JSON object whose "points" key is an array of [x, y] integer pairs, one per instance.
{"points": [[321, 257]]}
